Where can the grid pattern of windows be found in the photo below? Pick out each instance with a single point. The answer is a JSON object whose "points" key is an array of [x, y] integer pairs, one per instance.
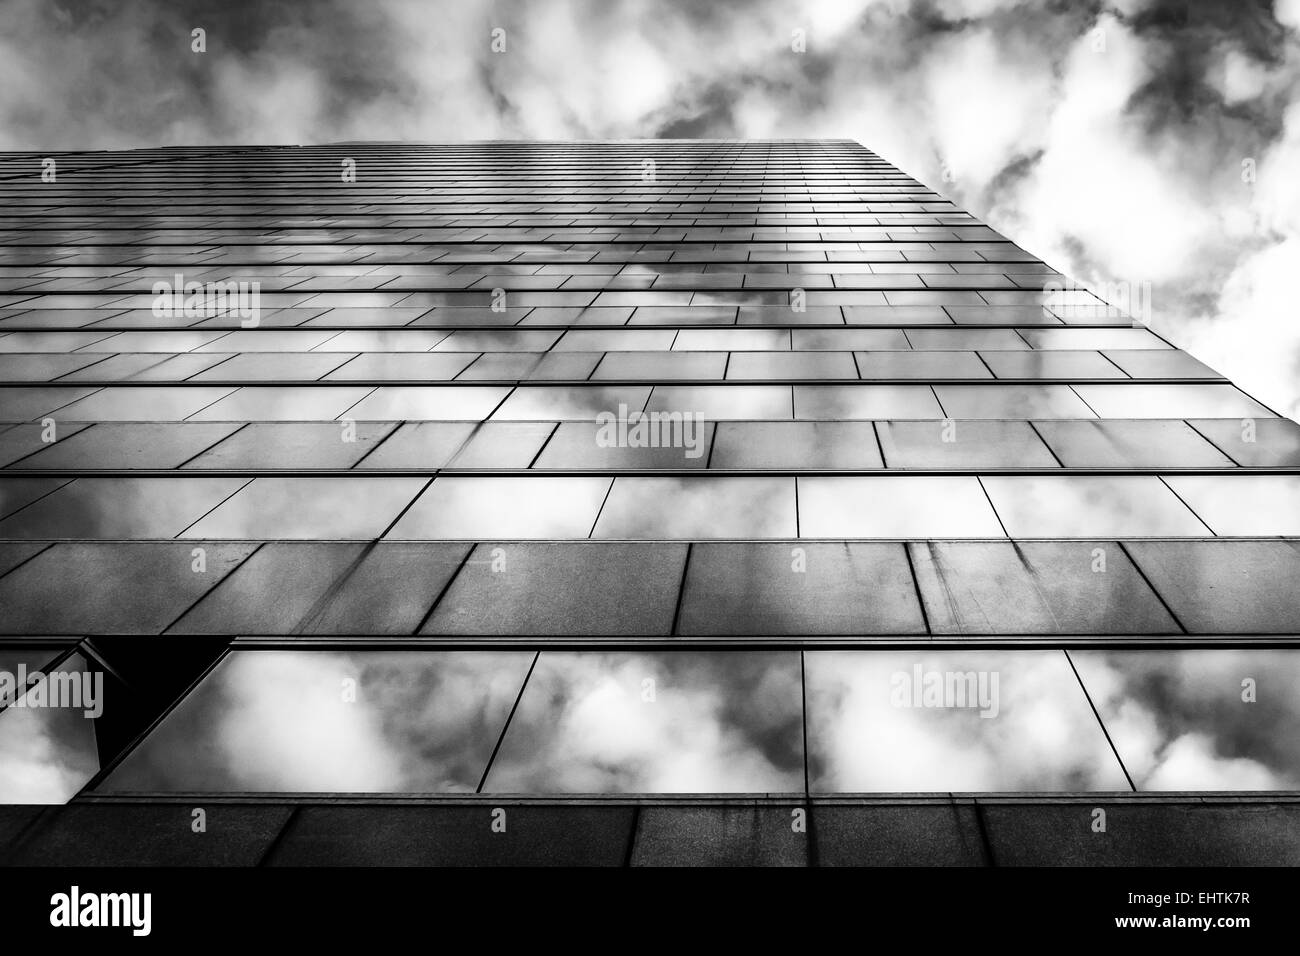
{"points": [[616, 468]]}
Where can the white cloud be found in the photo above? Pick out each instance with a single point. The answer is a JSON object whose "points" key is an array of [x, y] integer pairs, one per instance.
{"points": [[1252, 335], [1287, 13], [984, 108], [1243, 78], [1192, 758]]}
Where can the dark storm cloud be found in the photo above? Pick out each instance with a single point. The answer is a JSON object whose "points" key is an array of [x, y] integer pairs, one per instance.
{"points": [[712, 119]]}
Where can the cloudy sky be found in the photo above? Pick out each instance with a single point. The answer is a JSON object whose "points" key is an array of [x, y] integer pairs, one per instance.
{"points": [[1123, 141]]}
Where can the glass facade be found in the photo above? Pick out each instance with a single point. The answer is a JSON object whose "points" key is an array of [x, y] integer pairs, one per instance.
{"points": [[747, 470]]}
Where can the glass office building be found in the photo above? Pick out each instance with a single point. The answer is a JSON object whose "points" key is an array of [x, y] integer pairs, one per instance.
{"points": [[616, 503]]}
